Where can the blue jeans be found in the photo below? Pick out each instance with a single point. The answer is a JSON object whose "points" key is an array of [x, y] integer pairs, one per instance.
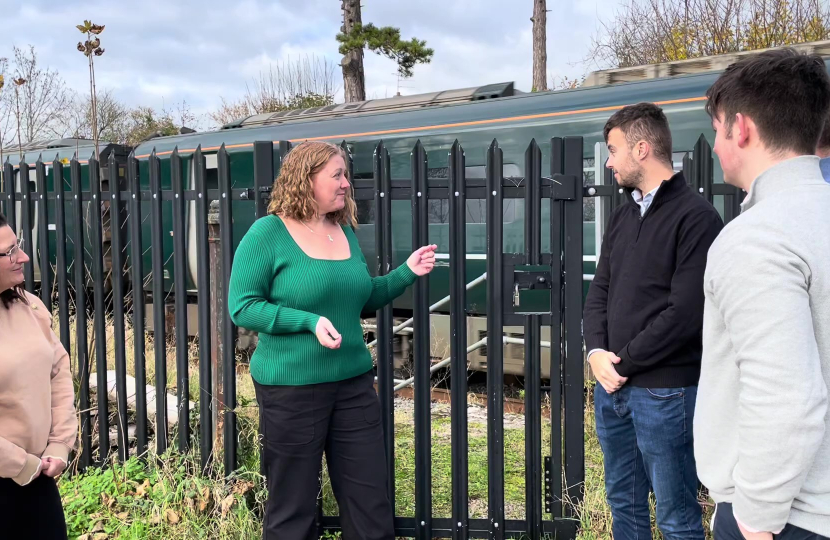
{"points": [[646, 438]]}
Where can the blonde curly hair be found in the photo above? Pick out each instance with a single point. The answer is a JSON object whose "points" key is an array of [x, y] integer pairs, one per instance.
{"points": [[293, 195]]}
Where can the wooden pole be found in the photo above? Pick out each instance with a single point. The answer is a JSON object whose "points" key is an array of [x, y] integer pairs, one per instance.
{"points": [[217, 300]]}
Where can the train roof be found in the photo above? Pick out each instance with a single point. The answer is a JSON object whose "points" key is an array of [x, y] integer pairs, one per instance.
{"points": [[48, 144], [391, 123], [386, 124], [393, 104], [682, 83], [706, 64], [64, 149]]}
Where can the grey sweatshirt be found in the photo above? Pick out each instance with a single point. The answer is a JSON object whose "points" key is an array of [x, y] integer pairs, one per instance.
{"points": [[762, 423]]}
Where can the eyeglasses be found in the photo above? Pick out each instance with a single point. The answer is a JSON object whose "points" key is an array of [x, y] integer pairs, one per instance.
{"points": [[14, 252]]}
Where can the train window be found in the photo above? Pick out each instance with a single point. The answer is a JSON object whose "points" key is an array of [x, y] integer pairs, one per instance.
{"points": [[211, 171], [677, 160], [588, 166], [474, 171], [32, 181], [477, 210], [589, 173], [439, 211], [365, 211], [212, 178]]}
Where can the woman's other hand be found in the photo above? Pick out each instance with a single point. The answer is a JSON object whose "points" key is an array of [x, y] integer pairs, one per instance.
{"points": [[52, 467], [422, 260], [327, 335]]}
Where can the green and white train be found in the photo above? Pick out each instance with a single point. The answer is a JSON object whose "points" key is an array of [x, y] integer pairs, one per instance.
{"points": [[474, 117]]}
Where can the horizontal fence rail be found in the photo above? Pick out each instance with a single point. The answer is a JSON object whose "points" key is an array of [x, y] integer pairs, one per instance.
{"points": [[114, 239]]}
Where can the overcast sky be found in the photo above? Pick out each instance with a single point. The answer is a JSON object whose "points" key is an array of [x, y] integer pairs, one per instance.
{"points": [[162, 52]]}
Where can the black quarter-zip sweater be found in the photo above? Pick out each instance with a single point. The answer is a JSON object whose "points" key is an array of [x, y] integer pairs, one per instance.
{"points": [[645, 303]]}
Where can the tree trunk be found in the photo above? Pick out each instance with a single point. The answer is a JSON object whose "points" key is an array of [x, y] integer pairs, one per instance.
{"points": [[354, 81], [540, 53]]}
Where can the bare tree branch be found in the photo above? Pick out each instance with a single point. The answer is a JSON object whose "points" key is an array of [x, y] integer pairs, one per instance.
{"points": [[6, 106], [308, 82], [113, 118], [653, 31], [43, 99]]}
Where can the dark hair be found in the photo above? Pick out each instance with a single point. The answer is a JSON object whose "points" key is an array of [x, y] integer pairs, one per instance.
{"points": [[824, 139], [643, 122], [786, 93], [15, 294]]}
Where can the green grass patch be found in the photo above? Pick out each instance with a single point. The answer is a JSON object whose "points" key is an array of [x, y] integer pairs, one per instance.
{"points": [[167, 497]]}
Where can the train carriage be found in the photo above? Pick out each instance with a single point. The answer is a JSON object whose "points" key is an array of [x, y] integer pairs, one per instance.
{"points": [[473, 117]]}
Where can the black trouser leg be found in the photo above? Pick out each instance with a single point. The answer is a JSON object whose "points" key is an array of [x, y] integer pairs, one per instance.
{"points": [[293, 423], [33, 511], [356, 462], [726, 527]]}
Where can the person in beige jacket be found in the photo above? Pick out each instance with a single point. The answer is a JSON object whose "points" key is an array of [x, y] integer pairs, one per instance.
{"points": [[38, 424]]}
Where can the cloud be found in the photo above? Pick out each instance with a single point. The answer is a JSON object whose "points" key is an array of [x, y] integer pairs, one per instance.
{"points": [[159, 53]]}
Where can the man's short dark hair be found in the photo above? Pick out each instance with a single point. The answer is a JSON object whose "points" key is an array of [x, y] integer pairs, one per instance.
{"points": [[643, 122], [786, 93]]}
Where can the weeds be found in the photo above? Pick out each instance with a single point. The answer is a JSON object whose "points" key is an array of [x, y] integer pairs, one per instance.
{"points": [[169, 497]]}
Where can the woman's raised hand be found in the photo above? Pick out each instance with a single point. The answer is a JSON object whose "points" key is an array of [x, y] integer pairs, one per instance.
{"points": [[422, 260]]}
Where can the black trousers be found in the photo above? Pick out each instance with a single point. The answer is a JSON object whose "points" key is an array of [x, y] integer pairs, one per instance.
{"points": [[298, 424], [726, 528], [33, 512]]}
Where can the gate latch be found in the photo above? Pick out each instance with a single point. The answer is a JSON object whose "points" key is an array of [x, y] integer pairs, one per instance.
{"points": [[529, 280]]}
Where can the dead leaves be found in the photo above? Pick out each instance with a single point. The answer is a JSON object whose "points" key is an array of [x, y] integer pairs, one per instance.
{"points": [[90, 27], [144, 489], [161, 504], [242, 487], [227, 504], [97, 533], [171, 516], [108, 500], [204, 499], [93, 45]]}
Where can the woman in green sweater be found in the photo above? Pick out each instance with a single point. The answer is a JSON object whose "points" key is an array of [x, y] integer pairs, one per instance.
{"points": [[301, 281]]}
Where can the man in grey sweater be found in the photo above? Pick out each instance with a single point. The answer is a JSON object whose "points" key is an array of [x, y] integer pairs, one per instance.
{"points": [[762, 425]]}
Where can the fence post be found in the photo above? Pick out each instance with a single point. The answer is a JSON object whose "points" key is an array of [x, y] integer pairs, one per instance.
{"points": [[217, 300]]}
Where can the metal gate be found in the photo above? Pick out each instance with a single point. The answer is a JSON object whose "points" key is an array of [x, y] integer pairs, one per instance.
{"points": [[534, 288]]}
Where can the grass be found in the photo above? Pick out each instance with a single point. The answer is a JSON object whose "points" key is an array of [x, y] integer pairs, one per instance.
{"points": [[168, 497]]}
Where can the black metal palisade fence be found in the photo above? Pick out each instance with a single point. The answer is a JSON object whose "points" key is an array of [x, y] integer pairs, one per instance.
{"points": [[554, 475]]}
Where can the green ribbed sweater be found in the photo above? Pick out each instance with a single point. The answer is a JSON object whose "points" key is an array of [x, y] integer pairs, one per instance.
{"points": [[277, 290]]}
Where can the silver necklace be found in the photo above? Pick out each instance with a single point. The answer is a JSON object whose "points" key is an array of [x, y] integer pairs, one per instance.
{"points": [[318, 234]]}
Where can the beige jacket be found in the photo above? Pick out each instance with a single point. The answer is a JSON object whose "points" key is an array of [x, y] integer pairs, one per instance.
{"points": [[37, 411]]}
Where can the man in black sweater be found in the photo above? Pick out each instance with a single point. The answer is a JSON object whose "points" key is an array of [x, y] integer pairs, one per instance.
{"points": [[642, 321]]}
